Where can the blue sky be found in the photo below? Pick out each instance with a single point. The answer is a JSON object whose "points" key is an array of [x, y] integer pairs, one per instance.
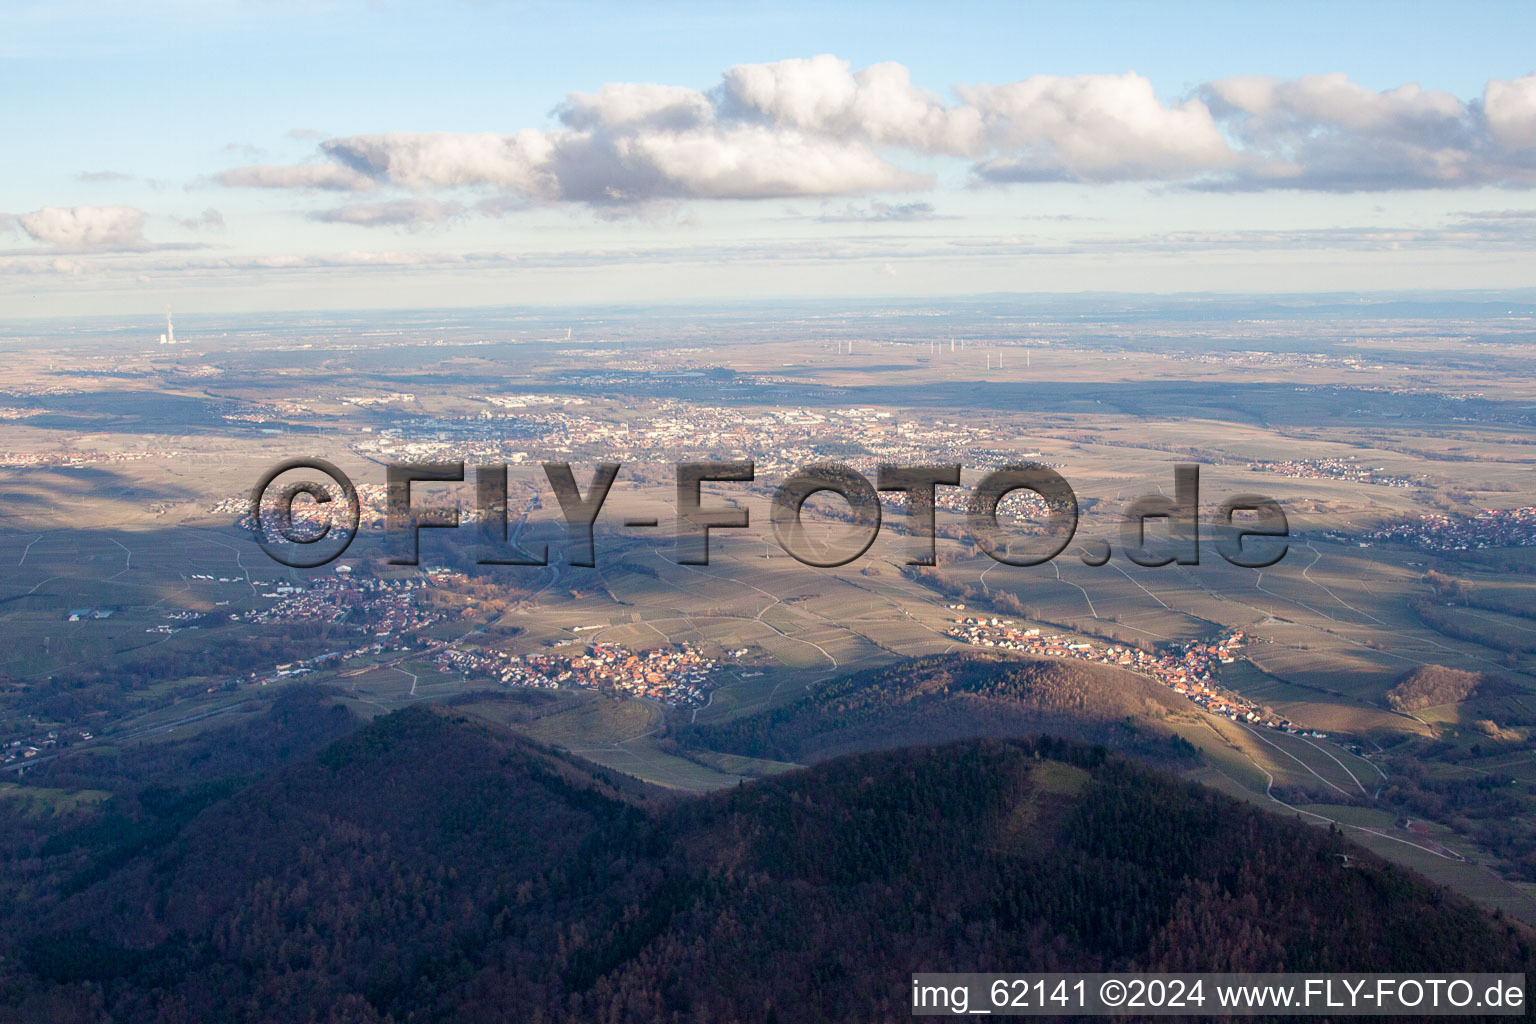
{"points": [[138, 123]]}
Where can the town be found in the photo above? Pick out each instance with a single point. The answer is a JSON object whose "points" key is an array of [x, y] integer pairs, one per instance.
{"points": [[779, 439]]}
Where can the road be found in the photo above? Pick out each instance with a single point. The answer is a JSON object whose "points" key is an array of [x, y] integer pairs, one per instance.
{"points": [[118, 737]]}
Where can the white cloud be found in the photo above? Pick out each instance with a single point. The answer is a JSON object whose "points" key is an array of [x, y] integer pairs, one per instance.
{"points": [[1326, 132], [878, 104], [99, 177], [408, 213], [876, 212], [1094, 128], [752, 162], [1510, 108], [86, 227], [630, 105], [328, 176], [209, 220], [422, 160]]}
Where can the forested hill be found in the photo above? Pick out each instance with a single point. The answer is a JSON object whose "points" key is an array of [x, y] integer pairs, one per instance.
{"points": [[427, 868], [958, 696]]}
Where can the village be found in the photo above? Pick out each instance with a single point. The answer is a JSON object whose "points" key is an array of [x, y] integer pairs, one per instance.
{"points": [[391, 613], [306, 513], [676, 675], [74, 459], [24, 749], [1334, 469], [381, 606], [1434, 531], [1188, 669], [365, 603]]}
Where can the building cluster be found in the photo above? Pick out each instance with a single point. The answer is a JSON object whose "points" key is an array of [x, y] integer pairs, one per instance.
{"points": [[31, 389], [486, 438], [25, 748], [1283, 358], [266, 412], [384, 607], [52, 460], [781, 440], [1349, 469], [676, 675], [308, 513], [1437, 531], [777, 439], [525, 401], [1188, 669], [330, 659], [180, 620], [82, 614]]}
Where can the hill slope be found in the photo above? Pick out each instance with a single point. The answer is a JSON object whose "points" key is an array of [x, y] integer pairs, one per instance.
{"points": [[429, 868], [957, 696]]}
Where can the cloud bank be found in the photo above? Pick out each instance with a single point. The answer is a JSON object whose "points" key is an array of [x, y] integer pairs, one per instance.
{"points": [[815, 127], [1510, 232]]}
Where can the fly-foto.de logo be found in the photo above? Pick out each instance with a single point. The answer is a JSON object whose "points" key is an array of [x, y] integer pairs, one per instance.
{"points": [[305, 523]]}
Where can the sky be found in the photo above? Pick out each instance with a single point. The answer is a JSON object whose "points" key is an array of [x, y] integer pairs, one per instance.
{"points": [[275, 155]]}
